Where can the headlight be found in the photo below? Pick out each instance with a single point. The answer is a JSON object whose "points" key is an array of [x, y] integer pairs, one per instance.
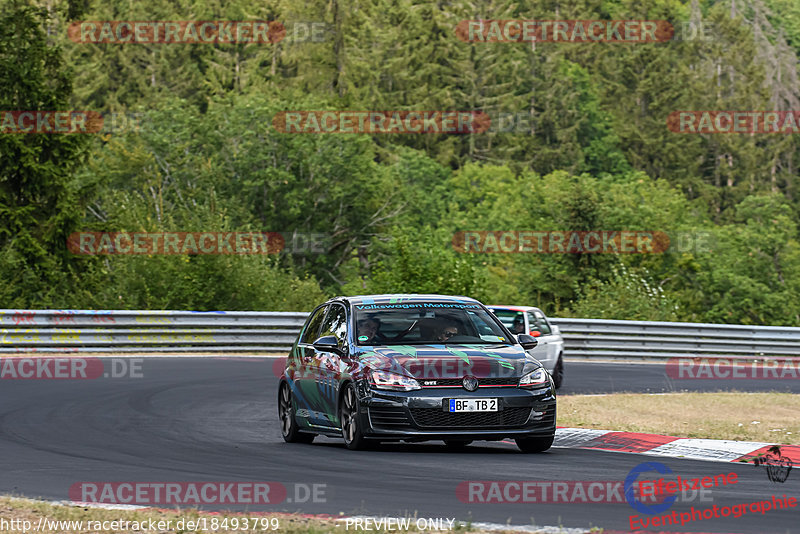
{"points": [[391, 381], [533, 379]]}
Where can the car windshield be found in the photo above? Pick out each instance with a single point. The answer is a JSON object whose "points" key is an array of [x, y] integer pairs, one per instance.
{"points": [[426, 323], [511, 319]]}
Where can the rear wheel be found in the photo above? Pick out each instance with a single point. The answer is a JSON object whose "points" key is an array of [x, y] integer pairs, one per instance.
{"points": [[289, 428], [457, 444], [558, 373], [534, 444], [351, 428]]}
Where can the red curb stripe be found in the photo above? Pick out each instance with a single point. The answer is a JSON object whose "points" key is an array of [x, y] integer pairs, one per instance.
{"points": [[628, 442], [789, 451]]}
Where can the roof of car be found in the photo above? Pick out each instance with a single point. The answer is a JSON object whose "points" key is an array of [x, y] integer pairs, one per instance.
{"points": [[406, 298], [514, 308]]}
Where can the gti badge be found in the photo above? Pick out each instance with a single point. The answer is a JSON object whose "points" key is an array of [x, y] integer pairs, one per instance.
{"points": [[470, 383]]}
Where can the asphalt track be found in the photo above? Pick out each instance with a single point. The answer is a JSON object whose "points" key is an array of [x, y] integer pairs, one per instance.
{"points": [[192, 419]]}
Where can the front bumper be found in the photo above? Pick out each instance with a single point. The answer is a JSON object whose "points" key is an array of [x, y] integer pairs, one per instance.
{"points": [[420, 415]]}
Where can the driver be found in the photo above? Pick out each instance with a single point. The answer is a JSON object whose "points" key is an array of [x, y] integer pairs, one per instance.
{"points": [[446, 331], [518, 327], [368, 330]]}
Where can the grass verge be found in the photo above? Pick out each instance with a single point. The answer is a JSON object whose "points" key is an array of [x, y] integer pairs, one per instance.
{"points": [[767, 417]]}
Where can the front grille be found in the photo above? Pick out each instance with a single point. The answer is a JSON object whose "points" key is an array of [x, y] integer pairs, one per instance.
{"points": [[458, 382], [436, 417], [391, 418]]}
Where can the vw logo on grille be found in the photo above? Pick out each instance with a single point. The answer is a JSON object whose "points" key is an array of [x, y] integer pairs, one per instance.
{"points": [[470, 383]]}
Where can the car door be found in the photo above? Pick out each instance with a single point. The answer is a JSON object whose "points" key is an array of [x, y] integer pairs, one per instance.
{"points": [[546, 339], [531, 327], [325, 365], [303, 377]]}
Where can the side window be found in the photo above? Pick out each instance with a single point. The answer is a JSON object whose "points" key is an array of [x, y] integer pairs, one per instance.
{"points": [[312, 327], [541, 323], [335, 324]]}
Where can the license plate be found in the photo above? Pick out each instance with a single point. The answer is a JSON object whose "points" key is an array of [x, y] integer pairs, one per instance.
{"points": [[472, 405]]}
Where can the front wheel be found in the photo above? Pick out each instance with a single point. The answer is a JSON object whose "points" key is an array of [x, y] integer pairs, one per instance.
{"points": [[289, 428], [351, 428], [558, 373], [534, 444]]}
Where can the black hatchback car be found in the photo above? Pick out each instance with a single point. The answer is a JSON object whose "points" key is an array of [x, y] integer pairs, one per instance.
{"points": [[414, 368]]}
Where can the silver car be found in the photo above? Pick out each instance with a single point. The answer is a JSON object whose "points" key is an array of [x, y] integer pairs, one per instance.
{"points": [[530, 320]]}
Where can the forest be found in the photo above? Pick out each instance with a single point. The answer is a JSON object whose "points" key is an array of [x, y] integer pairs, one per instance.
{"points": [[579, 141]]}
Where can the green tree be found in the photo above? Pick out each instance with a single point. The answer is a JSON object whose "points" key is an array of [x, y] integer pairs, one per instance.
{"points": [[41, 200]]}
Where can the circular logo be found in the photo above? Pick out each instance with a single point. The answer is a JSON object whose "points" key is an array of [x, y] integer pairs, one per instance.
{"points": [[470, 383], [630, 480]]}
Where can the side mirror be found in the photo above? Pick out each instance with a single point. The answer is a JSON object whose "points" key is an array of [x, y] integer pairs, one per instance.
{"points": [[556, 330], [535, 333], [528, 342], [327, 344]]}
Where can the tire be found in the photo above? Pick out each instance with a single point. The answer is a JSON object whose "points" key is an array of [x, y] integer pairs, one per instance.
{"points": [[351, 428], [289, 428], [457, 444], [558, 373], [528, 445]]}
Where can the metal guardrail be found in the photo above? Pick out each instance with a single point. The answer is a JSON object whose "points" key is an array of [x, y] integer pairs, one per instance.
{"points": [[602, 338], [48, 331], [147, 331]]}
